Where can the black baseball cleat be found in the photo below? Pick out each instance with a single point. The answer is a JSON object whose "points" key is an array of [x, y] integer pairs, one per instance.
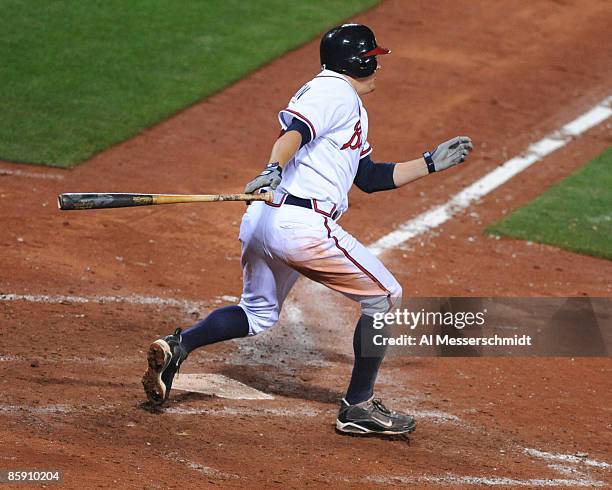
{"points": [[165, 357], [372, 417]]}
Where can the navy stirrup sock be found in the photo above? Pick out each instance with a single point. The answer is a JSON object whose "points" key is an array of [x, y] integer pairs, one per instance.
{"points": [[229, 322], [365, 369]]}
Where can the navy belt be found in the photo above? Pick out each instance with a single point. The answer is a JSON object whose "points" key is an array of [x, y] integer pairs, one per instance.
{"points": [[307, 203], [298, 201]]}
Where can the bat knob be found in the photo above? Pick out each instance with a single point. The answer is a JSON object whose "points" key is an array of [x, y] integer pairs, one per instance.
{"points": [[60, 202]]}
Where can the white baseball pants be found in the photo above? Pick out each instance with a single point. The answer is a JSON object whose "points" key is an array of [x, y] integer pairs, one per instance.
{"points": [[279, 241]]}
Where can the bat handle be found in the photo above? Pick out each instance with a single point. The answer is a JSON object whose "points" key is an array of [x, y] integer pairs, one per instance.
{"points": [[268, 196]]}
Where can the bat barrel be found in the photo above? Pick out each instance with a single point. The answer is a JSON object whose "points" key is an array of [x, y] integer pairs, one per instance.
{"points": [[74, 201]]}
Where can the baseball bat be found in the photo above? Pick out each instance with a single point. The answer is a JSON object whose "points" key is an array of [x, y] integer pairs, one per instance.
{"points": [[76, 201]]}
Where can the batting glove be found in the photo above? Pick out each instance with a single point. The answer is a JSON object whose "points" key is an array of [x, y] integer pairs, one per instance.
{"points": [[270, 177], [449, 153]]}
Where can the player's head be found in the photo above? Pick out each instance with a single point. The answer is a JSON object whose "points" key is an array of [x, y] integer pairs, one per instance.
{"points": [[351, 49]]}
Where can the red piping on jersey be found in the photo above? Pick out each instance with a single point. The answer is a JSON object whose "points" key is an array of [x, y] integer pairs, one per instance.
{"points": [[282, 201], [320, 211], [306, 120], [358, 265]]}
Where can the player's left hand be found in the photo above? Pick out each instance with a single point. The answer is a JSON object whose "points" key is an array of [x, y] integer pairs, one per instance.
{"points": [[270, 177], [450, 152]]}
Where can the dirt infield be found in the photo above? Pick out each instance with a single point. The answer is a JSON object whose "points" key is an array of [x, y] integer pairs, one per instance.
{"points": [[85, 292]]}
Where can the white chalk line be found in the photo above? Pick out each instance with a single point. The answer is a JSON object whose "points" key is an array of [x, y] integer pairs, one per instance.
{"points": [[58, 358], [537, 151], [570, 471], [188, 305], [576, 459], [131, 299], [11, 358], [37, 410], [450, 479], [249, 412], [207, 471], [32, 175], [54, 409]]}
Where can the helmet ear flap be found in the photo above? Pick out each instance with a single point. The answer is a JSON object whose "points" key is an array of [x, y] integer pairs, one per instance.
{"points": [[368, 65]]}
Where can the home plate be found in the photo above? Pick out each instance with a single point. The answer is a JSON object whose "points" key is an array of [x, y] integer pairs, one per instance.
{"points": [[218, 385]]}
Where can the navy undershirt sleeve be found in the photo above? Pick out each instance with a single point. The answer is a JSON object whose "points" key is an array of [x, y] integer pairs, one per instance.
{"points": [[302, 128], [374, 177]]}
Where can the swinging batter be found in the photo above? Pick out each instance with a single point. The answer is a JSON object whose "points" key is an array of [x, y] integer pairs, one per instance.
{"points": [[322, 151]]}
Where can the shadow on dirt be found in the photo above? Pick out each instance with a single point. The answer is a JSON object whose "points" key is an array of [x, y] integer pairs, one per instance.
{"points": [[384, 437], [276, 383]]}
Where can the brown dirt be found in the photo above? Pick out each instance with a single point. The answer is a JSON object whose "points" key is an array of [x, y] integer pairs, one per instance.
{"points": [[503, 73]]}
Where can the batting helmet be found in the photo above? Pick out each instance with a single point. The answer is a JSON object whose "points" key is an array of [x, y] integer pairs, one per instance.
{"points": [[350, 49]]}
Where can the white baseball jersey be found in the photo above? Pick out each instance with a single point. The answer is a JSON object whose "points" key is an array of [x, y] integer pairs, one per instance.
{"points": [[280, 241], [325, 168]]}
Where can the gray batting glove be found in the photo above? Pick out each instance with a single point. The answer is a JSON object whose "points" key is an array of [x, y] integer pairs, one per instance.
{"points": [[449, 153], [270, 177]]}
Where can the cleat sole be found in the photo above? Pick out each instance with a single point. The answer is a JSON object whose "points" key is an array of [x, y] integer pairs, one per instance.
{"points": [[353, 428], [158, 357]]}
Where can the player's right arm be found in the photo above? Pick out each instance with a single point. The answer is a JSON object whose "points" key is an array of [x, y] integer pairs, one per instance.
{"points": [[284, 149]]}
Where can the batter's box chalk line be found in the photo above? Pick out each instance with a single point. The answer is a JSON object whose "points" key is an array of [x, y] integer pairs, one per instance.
{"points": [[573, 459], [31, 175], [189, 306], [450, 480]]}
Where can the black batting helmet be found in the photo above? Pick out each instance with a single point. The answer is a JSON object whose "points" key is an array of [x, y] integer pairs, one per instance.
{"points": [[350, 49]]}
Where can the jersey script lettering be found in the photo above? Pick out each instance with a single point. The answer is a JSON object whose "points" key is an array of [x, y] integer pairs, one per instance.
{"points": [[355, 141]]}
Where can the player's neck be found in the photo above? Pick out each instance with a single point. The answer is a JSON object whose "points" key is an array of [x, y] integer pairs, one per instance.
{"points": [[362, 86]]}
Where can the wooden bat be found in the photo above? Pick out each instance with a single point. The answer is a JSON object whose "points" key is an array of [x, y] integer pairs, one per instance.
{"points": [[75, 201]]}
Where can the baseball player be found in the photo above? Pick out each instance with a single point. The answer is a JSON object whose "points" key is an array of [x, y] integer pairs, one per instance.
{"points": [[322, 151]]}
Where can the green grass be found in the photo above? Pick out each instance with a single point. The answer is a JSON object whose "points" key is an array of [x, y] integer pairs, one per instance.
{"points": [[575, 214], [78, 77]]}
